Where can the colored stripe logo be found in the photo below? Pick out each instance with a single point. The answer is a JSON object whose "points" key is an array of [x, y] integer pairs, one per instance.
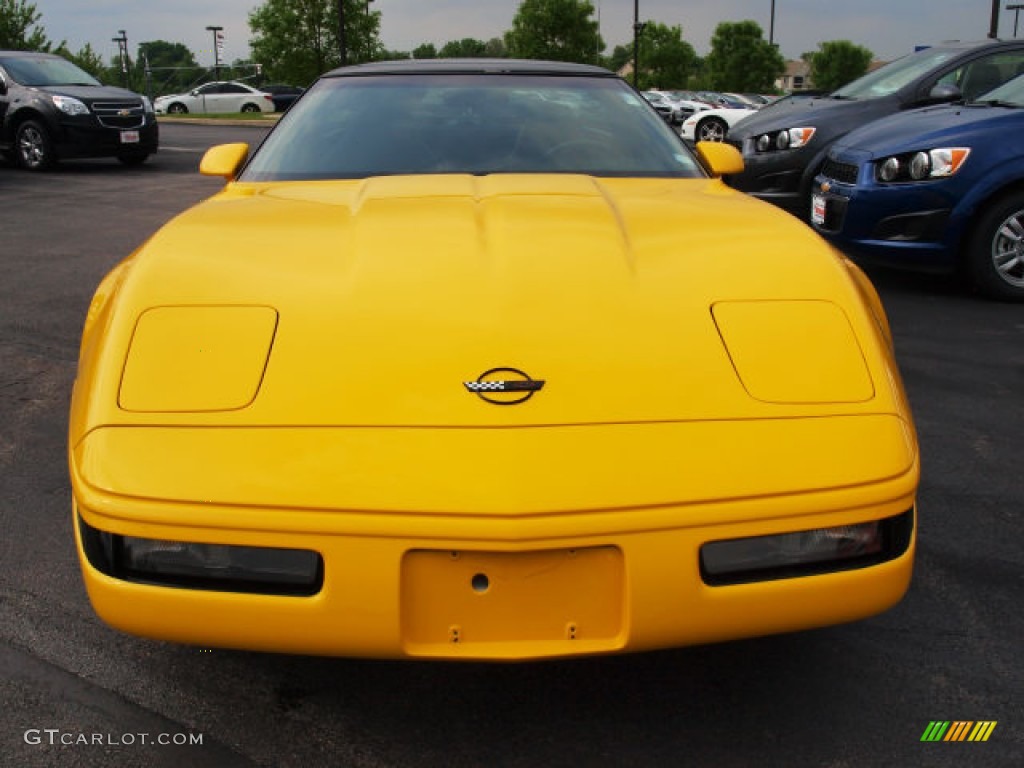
{"points": [[959, 730]]}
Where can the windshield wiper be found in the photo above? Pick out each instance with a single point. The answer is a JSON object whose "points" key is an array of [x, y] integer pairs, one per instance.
{"points": [[998, 103]]}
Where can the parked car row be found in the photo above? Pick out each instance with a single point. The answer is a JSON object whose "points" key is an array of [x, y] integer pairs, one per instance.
{"points": [[919, 164]]}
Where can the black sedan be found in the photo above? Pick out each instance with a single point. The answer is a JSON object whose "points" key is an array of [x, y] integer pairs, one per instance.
{"points": [[283, 95]]}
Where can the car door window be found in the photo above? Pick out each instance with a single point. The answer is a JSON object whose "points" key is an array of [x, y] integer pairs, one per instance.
{"points": [[979, 76]]}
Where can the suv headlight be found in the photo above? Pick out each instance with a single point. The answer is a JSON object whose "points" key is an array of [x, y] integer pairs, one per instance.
{"points": [[789, 138], [922, 165], [70, 106]]}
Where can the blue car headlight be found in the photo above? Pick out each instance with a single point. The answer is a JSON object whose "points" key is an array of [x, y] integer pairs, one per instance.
{"points": [[921, 165]]}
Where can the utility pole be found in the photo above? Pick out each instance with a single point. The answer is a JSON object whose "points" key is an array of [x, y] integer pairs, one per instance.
{"points": [[993, 30], [217, 40], [771, 26], [638, 28], [342, 46], [122, 49]]}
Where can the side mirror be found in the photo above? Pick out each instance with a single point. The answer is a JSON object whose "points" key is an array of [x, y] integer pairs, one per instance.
{"points": [[194, 92], [945, 92], [720, 159], [224, 160]]}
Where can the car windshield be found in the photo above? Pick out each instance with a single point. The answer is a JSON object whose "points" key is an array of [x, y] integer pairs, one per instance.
{"points": [[890, 78], [356, 127], [1007, 94], [46, 71]]}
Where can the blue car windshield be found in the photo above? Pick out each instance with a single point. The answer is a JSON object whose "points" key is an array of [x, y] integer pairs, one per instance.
{"points": [[895, 75], [361, 126], [1007, 94]]}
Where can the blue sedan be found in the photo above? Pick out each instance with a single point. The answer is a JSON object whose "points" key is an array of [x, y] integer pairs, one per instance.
{"points": [[940, 189]]}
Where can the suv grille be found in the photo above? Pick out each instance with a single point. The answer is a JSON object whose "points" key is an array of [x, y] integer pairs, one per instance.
{"points": [[844, 173], [119, 114]]}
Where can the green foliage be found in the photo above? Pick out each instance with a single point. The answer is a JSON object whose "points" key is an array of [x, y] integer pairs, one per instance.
{"points": [[557, 30], [495, 49], [424, 51], [297, 40], [621, 55], [741, 60], [466, 48], [173, 67], [19, 27], [666, 60], [838, 62]]}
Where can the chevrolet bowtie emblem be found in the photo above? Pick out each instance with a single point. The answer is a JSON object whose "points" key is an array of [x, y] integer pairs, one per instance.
{"points": [[504, 386]]}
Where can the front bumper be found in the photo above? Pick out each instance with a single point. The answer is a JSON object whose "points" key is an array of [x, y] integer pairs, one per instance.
{"points": [[84, 138], [901, 226], [467, 566], [775, 177]]}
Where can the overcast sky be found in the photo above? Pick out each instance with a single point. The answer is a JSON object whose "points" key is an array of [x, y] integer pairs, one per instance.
{"points": [[889, 28]]}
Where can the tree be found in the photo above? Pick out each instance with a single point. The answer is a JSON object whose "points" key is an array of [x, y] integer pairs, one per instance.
{"points": [[424, 51], [666, 60], [297, 40], [742, 60], [466, 48], [173, 67], [838, 62], [559, 30], [19, 27], [495, 48], [621, 55]]}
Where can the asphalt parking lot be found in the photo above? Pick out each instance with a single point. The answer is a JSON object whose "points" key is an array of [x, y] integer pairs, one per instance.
{"points": [[855, 695]]}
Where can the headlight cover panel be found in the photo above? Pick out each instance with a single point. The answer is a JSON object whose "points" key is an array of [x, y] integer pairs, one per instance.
{"points": [[794, 351], [197, 358]]}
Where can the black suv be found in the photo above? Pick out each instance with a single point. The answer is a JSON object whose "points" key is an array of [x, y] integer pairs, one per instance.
{"points": [[784, 144], [51, 110]]}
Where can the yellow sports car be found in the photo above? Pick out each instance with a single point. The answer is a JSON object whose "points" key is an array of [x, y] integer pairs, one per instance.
{"points": [[459, 365]]}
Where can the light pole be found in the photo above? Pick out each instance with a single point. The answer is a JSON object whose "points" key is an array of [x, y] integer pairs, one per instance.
{"points": [[993, 29], [342, 46], [216, 51], [1016, 14], [122, 49], [771, 26], [637, 29]]}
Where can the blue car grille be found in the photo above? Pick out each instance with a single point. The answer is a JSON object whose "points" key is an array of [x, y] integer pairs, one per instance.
{"points": [[844, 173]]}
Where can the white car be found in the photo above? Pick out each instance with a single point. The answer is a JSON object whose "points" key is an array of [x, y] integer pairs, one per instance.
{"points": [[683, 104], [217, 97], [712, 124]]}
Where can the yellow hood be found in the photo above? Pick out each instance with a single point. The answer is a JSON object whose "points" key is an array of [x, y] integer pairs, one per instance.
{"points": [[372, 302]]}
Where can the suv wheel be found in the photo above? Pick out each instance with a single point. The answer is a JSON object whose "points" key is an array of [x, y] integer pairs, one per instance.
{"points": [[33, 147], [995, 256]]}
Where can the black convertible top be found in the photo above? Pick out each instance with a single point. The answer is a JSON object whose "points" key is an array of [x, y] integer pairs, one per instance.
{"points": [[470, 67]]}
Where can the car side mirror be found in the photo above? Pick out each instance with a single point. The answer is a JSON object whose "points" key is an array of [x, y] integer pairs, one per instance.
{"points": [[945, 92], [194, 92], [720, 159], [224, 160]]}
